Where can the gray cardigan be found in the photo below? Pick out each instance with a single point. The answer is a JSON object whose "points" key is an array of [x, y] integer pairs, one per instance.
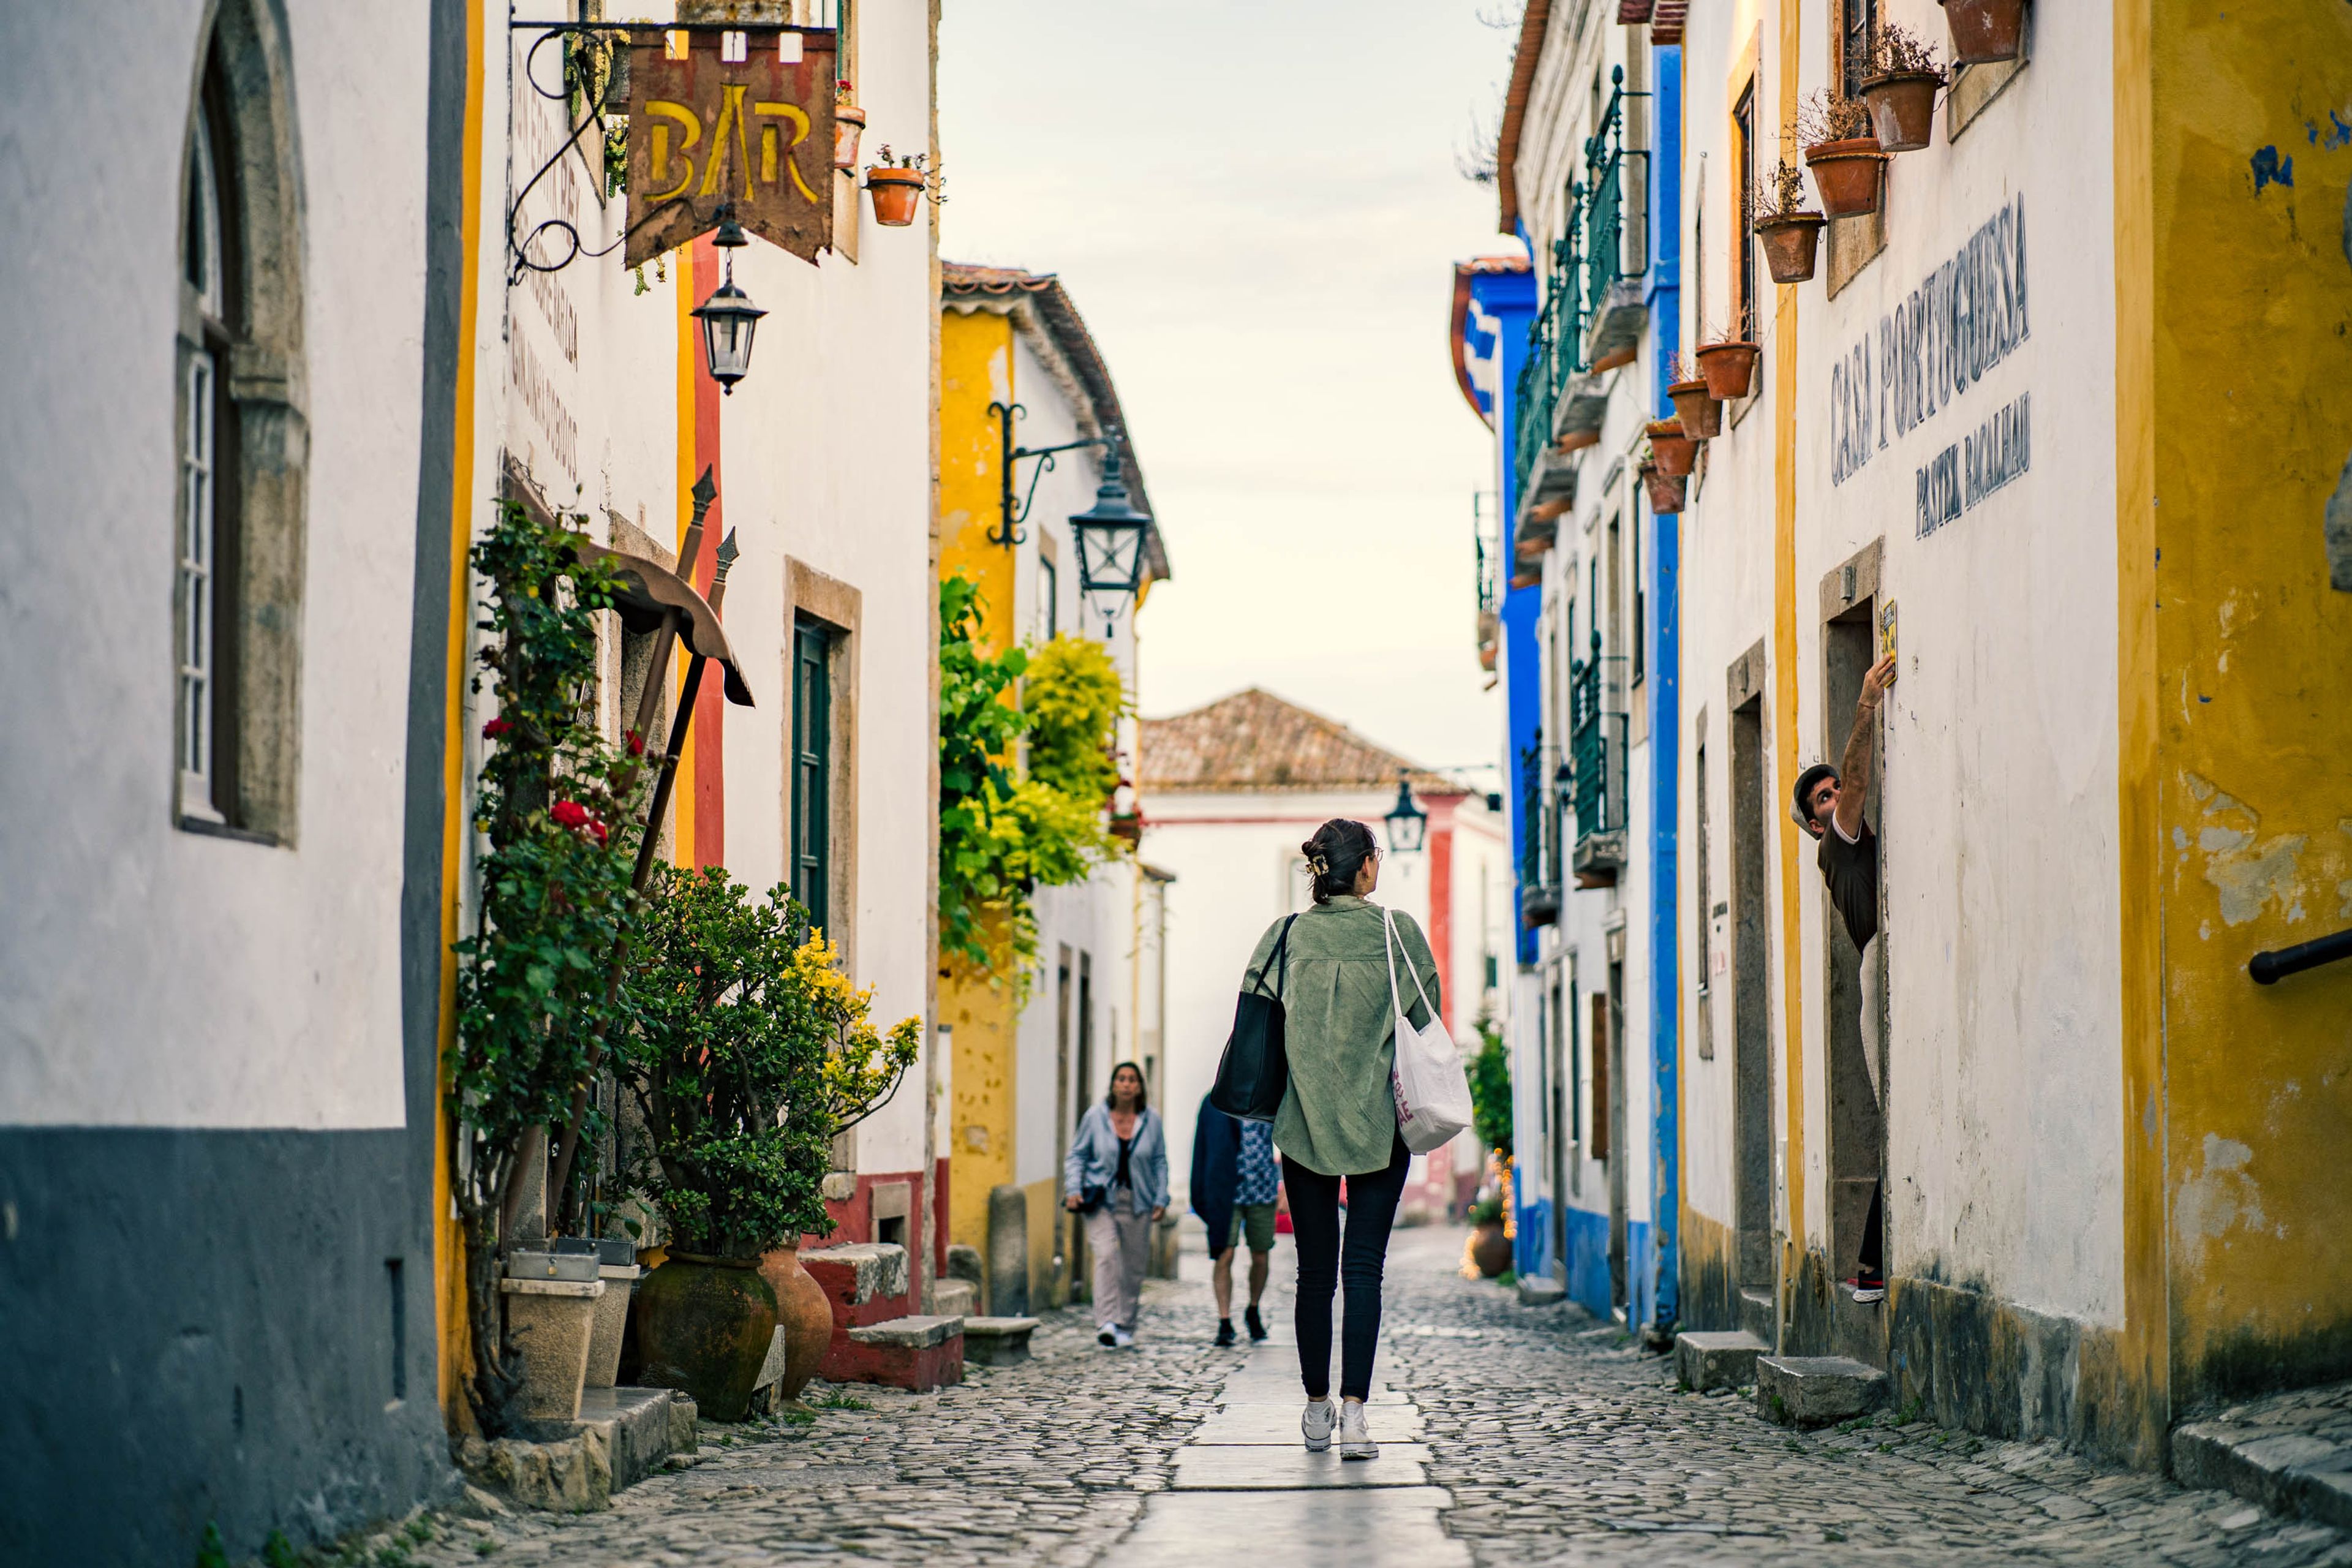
{"points": [[1094, 1158]]}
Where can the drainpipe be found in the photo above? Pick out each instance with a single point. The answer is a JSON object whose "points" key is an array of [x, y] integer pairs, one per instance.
{"points": [[1666, 705]]}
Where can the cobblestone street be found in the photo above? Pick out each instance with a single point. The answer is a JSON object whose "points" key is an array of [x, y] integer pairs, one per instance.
{"points": [[1509, 1434]]}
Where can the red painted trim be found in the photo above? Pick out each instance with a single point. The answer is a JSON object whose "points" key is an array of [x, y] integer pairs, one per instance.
{"points": [[709, 704], [1441, 914]]}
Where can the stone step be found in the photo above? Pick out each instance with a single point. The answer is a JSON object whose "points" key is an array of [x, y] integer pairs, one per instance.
{"points": [[921, 1352], [952, 1299], [997, 1342], [1707, 1358], [1541, 1292], [1816, 1391], [2290, 1452]]}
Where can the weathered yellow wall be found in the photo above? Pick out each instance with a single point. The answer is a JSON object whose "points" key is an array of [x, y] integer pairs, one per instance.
{"points": [[2251, 671]]}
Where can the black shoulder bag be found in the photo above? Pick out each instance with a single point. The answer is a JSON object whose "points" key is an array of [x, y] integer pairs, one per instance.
{"points": [[1256, 1069]]}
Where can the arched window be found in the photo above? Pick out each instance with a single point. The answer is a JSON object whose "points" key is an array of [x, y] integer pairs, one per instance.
{"points": [[240, 439]]}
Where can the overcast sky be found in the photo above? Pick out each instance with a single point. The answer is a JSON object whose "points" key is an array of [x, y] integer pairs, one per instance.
{"points": [[1256, 208]]}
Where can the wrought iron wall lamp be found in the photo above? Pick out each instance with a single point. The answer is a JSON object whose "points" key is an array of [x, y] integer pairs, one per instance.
{"points": [[1008, 529]]}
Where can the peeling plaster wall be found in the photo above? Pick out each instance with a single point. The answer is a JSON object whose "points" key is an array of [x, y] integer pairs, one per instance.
{"points": [[2252, 661]]}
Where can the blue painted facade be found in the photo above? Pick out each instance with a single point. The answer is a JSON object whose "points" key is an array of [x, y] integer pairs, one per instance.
{"points": [[1665, 664]]}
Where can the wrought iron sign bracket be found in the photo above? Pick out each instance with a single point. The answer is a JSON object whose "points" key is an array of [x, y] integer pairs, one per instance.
{"points": [[1008, 532]]}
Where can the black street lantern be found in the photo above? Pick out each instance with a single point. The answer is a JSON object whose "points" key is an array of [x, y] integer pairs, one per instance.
{"points": [[728, 317], [1110, 536], [1408, 824]]}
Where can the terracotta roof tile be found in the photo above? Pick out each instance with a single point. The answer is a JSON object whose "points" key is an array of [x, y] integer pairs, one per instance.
{"points": [[1256, 741]]}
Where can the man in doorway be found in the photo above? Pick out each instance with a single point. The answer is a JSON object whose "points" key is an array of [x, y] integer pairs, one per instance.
{"points": [[1235, 1183], [1828, 804]]}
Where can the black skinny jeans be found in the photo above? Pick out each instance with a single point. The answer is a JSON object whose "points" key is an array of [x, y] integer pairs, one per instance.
{"points": [[1323, 1264]]}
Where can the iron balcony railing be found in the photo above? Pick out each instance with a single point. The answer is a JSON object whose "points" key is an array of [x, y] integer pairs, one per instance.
{"points": [[1540, 847], [1555, 351], [1605, 160], [1596, 748]]}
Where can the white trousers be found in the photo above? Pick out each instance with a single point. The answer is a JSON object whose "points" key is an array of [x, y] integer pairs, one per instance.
{"points": [[1120, 1240], [1874, 1009]]}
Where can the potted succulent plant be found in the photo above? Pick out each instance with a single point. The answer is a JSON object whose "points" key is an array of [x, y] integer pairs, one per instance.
{"points": [[1900, 90], [1671, 449], [1695, 404], [849, 125], [1665, 491], [1985, 32], [1730, 366], [1790, 232], [749, 1052], [896, 187], [1843, 152]]}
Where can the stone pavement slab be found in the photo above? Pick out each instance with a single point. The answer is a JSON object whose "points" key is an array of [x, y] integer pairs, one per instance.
{"points": [[1279, 1424], [1262, 1467], [1275, 1529]]}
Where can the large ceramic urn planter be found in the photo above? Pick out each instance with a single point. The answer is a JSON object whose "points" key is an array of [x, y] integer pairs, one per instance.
{"points": [[1490, 1250], [550, 1309], [1793, 243], [1902, 109], [1729, 369], [703, 1326], [1671, 449], [1695, 406], [849, 125], [1847, 173], [897, 193], [1665, 491], [1985, 32], [806, 1314]]}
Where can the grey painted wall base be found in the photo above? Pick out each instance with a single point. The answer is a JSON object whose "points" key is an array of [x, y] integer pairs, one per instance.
{"points": [[202, 1327]]}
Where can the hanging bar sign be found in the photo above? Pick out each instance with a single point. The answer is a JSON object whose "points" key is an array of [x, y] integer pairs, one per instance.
{"points": [[719, 117]]}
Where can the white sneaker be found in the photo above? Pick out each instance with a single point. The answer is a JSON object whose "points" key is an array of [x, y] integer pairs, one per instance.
{"points": [[1355, 1434], [1317, 1424], [1120, 1339], [1107, 1337]]}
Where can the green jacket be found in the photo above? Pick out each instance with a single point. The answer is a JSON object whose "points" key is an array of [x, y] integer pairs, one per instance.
{"points": [[1338, 1116]]}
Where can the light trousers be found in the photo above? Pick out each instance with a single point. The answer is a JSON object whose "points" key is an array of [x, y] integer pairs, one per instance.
{"points": [[1120, 1240]]}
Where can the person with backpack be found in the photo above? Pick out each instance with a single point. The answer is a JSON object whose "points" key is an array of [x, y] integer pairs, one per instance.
{"points": [[1331, 966]]}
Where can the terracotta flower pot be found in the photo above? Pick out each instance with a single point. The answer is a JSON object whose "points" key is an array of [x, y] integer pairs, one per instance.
{"points": [[704, 1325], [1847, 174], [1729, 369], [1985, 31], [1671, 448], [1490, 1250], [1902, 109], [1665, 491], [1791, 245], [1701, 415], [896, 192], [848, 124], [806, 1314]]}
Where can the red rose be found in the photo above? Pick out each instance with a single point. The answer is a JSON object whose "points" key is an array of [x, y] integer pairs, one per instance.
{"points": [[495, 727], [570, 813], [636, 744]]}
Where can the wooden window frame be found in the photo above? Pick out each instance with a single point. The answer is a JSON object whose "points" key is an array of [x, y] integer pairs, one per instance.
{"points": [[834, 608]]}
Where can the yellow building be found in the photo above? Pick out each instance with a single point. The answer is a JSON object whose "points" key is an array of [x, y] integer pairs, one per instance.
{"points": [[1030, 1052]]}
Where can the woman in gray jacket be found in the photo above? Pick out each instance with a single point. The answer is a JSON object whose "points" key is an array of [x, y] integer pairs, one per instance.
{"points": [[1117, 1177], [1337, 1118]]}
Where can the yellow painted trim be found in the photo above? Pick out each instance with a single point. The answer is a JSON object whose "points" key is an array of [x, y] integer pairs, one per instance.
{"points": [[450, 1324], [2147, 1329], [681, 800], [1784, 697]]}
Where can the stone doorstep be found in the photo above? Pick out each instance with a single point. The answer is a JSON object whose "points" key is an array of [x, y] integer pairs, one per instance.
{"points": [[623, 1436], [872, 1268], [636, 1426], [997, 1342], [1540, 1292], [1706, 1359], [952, 1298], [2289, 1472], [1816, 1391], [913, 1334]]}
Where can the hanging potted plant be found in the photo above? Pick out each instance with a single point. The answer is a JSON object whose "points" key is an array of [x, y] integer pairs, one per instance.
{"points": [[1790, 232], [1729, 367], [849, 125], [1843, 153], [749, 1053], [1665, 490], [1695, 404], [1671, 449], [1985, 32], [897, 188], [1905, 77]]}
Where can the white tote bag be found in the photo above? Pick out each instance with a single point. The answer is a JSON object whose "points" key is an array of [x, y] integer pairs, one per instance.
{"points": [[1431, 1086]]}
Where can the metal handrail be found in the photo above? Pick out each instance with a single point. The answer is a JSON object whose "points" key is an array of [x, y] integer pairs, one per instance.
{"points": [[2270, 968]]}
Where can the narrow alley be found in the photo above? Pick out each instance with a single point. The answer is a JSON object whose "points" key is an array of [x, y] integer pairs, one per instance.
{"points": [[1527, 1435]]}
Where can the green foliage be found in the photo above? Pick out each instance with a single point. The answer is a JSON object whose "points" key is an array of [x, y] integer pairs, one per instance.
{"points": [[1490, 1088], [1002, 836], [1487, 1210], [750, 1051], [560, 808], [1074, 699], [837, 1400], [212, 1551], [278, 1552]]}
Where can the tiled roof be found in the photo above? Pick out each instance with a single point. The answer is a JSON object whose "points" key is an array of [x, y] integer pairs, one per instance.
{"points": [[1532, 23], [1256, 741]]}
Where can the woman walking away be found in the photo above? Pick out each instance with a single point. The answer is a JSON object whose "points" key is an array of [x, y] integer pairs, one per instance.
{"points": [[1339, 1117], [1117, 1177]]}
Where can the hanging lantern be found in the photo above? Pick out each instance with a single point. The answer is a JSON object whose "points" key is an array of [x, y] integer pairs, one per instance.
{"points": [[728, 317]]}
